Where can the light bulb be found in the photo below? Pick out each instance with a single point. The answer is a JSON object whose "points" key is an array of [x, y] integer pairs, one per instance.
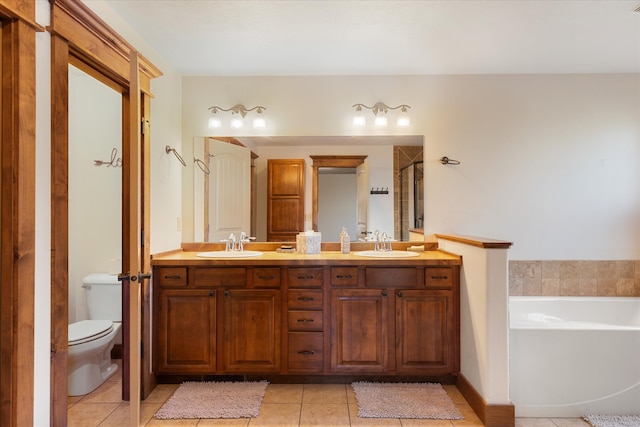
{"points": [[236, 122], [358, 119], [381, 120], [259, 121], [214, 121], [404, 120]]}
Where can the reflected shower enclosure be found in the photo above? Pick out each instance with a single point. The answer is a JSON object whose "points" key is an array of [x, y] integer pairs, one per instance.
{"points": [[411, 198]]}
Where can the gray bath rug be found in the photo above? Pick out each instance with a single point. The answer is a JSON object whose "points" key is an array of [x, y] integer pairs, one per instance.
{"points": [[404, 400], [613, 420], [214, 400]]}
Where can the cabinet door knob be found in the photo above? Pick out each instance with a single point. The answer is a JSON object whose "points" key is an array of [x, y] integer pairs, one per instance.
{"points": [[400, 294], [227, 293], [383, 293], [212, 293]]}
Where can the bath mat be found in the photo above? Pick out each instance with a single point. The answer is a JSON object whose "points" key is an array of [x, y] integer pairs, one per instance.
{"points": [[404, 400], [214, 400], [613, 420]]}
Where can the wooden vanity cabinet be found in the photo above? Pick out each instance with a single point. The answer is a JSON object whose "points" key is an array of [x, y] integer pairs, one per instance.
{"points": [[300, 319], [212, 320], [406, 325]]}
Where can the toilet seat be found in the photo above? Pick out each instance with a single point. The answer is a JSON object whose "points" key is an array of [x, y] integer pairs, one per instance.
{"points": [[88, 330]]}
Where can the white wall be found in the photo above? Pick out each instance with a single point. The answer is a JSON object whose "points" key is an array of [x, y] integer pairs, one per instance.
{"points": [[549, 162], [95, 192]]}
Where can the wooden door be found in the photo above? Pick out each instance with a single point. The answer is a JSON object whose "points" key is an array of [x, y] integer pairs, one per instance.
{"points": [[359, 330], [425, 329], [186, 331], [251, 325], [285, 199]]}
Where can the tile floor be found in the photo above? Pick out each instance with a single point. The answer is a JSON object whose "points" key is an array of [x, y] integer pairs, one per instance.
{"points": [[326, 405]]}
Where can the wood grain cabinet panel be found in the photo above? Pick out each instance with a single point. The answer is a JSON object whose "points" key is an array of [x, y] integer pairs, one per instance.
{"points": [[185, 332], [359, 328], [285, 199], [425, 332], [251, 339]]}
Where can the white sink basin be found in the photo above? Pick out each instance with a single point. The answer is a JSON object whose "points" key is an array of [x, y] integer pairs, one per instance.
{"points": [[229, 254], [387, 254]]}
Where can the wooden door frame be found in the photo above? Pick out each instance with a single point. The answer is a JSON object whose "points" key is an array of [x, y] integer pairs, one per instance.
{"points": [[77, 32], [17, 216], [328, 161]]}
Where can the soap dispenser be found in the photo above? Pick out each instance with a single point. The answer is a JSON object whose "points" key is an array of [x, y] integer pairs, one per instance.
{"points": [[345, 242]]}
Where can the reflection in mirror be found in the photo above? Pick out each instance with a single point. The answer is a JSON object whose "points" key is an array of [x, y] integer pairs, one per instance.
{"points": [[385, 157], [222, 197]]}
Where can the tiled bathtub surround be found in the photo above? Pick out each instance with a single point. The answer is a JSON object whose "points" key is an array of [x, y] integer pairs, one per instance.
{"points": [[574, 278]]}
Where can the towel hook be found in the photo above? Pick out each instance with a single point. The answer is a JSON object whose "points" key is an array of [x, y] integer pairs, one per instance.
{"points": [[169, 149], [448, 161]]}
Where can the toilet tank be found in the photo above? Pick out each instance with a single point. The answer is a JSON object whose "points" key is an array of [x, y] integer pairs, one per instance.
{"points": [[103, 293]]}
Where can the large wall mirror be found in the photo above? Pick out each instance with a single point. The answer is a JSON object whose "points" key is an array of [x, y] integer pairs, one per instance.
{"points": [[393, 200]]}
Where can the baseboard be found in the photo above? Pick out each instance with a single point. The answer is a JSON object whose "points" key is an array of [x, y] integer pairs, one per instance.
{"points": [[491, 415]]}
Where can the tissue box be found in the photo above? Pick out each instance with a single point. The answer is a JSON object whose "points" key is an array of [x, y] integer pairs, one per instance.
{"points": [[308, 242]]}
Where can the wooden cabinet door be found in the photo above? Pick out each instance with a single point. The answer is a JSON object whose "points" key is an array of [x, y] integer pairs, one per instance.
{"points": [[185, 332], [285, 199], [426, 334], [360, 330], [251, 324]]}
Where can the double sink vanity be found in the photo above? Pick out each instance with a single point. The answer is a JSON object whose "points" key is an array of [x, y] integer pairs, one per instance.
{"points": [[281, 314]]}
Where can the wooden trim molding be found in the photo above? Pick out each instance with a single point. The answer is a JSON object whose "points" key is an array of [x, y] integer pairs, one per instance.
{"points": [[96, 43], [81, 38], [328, 161], [479, 242], [491, 415], [17, 288]]}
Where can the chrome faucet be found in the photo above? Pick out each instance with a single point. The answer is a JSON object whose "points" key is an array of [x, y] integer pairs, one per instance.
{"points": [[382, 242], [230, 243]]}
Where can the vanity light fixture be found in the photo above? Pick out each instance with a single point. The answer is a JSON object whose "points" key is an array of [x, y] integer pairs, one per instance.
{"points": [[380, 110], [238, 113]]}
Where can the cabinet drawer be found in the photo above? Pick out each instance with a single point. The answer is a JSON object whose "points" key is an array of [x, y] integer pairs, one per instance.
{"points": [[438, 278], [306, 351], [266, 277], [171, 276], [305, 277], [344, 276], [391, 277], [305, 299], [220, 276], [300, 320]]}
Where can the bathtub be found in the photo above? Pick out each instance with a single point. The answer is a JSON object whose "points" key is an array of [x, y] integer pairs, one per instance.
{"points": [[573, 356]]}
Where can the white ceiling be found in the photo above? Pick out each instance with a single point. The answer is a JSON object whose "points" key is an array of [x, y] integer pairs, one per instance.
{"points": [[384, 37]]}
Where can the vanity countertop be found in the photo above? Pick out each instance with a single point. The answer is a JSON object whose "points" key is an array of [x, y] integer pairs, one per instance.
{"points": [[184, 257]]}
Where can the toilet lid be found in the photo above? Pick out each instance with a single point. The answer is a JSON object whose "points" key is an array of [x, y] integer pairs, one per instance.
{"points": [[88, 330]]}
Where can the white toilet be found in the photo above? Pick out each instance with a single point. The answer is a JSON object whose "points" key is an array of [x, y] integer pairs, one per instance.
{"points": [[90, 341]]}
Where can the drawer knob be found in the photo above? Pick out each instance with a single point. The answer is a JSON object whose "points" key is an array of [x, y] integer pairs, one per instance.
{"points": [[305, 320], [306, 352], [305, 298]]}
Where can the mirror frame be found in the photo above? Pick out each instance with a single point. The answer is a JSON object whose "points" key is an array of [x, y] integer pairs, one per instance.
{"points": [[333, 162]]}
